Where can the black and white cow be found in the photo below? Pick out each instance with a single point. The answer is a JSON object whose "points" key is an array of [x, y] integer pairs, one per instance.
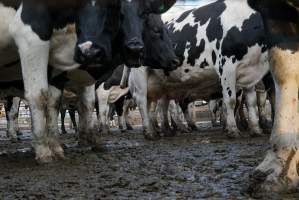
{"points": [[223, 39], [31, 28], [228, 36], [278, 172]]}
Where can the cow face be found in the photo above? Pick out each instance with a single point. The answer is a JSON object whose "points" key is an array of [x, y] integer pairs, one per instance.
{"points": [[133, 14], [159, 52], [97, 24]]}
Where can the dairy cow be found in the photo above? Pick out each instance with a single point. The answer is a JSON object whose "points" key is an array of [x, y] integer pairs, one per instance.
{"points": [[223, 40], [228, 36], [278, 171]]}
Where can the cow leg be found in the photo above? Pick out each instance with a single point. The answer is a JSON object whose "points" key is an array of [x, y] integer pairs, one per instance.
{"points": [[228, 81], [191, 124], [87, 130], [174, 112], [103, 108], [11, 111], [165, 127], [54, 101], [34, 54], [72, 113], [62, 115], [253, 117], [119, 111], [261, 102], [278, 171], [126, 109], [241, 115], [149, 130], [213, 112]]}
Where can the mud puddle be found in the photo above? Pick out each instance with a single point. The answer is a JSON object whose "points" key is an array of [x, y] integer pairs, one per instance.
{"points": [[200, 165]]}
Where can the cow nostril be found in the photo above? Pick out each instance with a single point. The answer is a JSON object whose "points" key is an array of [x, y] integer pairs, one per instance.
{"points": [[175, 63]]}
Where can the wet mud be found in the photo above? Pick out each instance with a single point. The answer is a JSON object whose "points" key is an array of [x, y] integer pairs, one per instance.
{"points": [[198, 165]]}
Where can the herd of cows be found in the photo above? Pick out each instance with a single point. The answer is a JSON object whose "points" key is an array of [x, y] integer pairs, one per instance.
{"points": [[225, 49]]}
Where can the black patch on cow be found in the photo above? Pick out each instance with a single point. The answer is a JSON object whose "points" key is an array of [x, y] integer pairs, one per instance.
{"points": [[183, 16], [11, 64], [18, 84], [214, 57], [239, 92], [204, 64], [11, 3], [281, 22], [236, 42], [220, 69], [223, 61], [211, 12], [218, 45], [187, 70], [234, 60], [229, 91]]}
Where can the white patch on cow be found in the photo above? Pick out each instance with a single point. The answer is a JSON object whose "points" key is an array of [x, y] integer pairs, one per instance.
{"points": [[93, 3], [62, 49], [85, 46], [234, 14]]}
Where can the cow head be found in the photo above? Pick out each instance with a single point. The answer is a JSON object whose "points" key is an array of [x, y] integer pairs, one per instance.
{"points": [[134, 13], [159, 52], [97, 24]]}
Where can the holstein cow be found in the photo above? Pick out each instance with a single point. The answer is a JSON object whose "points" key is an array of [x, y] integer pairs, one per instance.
{"points": [[228, 36], [278, 172], [110, 95], [224, 37], [31, 28]]}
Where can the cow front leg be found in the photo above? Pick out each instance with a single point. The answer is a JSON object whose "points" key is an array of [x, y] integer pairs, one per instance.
{"points": [[103, 109], [165, 127], [144, 107], [278, 171], [254, 126], [34, 53], [87, 130], [126, 117]]}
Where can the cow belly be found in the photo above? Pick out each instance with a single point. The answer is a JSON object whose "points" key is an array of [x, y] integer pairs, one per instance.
{"points": [[6, 15]]}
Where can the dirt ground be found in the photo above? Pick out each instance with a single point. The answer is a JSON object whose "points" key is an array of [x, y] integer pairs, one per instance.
{"points": [[199, 165]]}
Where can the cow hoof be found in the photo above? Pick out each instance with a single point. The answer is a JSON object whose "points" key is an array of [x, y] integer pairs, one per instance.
{"points": [[56, 148], [151, 136], [168, 132], [233, 134], [277, 173], [43, 154], [193, 127], [63, 132], [129, 127]]}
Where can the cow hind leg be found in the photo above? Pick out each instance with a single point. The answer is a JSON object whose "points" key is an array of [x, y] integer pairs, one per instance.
{"points": [[165, 127], [72, 113], [62, 115], [253, 122], [11, 110], [278, 171], [229, 103]]}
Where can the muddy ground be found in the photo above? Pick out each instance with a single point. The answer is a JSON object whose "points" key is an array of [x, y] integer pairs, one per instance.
{"points": [[198, 165]]}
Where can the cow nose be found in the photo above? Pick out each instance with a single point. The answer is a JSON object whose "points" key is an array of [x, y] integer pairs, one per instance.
{"points": [[92, 53], [175, 62], [135, 46]]}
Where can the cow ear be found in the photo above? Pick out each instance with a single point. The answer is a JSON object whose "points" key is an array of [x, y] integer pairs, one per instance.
{"points": [[160, 6]]}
